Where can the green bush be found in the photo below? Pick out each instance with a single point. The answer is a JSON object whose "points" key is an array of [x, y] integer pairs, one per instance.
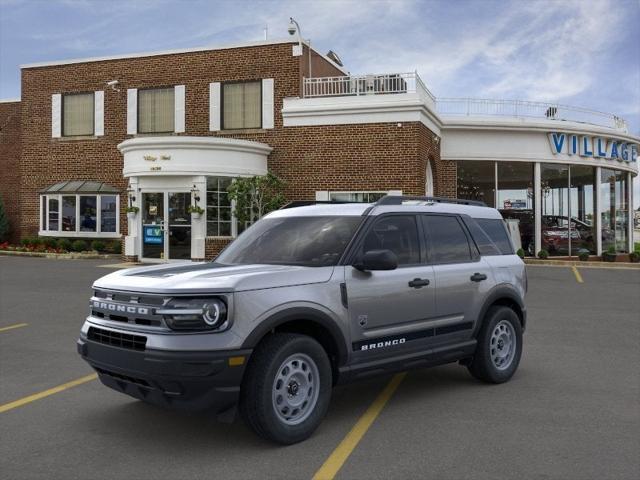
{"points": [[115, 246], [543, 254], [26, 241], [79, 246], [611, 249], [634, 257], [65, 244], [49, 242], [583, 255], [98, 246], [520, 253]]}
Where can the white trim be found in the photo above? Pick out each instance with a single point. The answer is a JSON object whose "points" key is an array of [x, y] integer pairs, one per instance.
{"points": [[179, 108], [132, 111], [429, 187], [176, 51], [56, 115], [77, 233], [598, 207], [63, 234], [10, 100], [214, 106], [322, 195], [267, 103], [98, 122]]}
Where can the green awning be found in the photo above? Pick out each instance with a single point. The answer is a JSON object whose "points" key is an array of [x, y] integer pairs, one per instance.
{"points": [[80, 186]]}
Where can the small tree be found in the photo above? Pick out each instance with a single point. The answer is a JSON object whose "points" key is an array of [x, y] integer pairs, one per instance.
{"points": [[256, 196], [4, 223]]}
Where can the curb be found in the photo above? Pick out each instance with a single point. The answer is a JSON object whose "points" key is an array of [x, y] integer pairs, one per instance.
{"points": [[61, 256], [569, 263]]}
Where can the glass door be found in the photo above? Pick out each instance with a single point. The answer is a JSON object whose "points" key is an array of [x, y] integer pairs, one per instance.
{"points": [[179, 226], [153, 228]]}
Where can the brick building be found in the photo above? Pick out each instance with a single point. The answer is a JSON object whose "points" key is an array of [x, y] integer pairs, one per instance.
{"points": [[162, 131]]}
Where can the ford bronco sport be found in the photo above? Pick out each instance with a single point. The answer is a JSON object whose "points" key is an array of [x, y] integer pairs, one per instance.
{"points": [[308, 297]]}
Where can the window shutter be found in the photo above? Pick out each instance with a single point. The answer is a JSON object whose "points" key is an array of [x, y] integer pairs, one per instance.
{"points": [[56, 115], [322, 196], [214, 106], [179, 99], [267, 103], [98, 123], [132, 111]]}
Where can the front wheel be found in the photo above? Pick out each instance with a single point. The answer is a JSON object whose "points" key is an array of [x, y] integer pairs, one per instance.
{"points": [[499, 346], [287, 388]]}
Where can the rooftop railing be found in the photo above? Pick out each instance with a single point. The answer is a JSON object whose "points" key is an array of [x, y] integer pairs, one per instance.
{"points": [[397, 83]]}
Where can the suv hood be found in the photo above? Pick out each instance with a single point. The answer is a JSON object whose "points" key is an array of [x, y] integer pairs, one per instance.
{"points": [[208, 277]]}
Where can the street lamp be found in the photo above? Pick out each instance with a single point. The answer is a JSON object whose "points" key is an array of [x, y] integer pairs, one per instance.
{"points": [[294, 28]]}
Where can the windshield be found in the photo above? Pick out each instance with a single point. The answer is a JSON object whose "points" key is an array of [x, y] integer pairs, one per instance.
{"points": [[306, 241]]}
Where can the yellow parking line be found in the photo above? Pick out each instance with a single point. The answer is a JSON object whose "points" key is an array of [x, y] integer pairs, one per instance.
{"points": [[333, 464], [577, 274], [11, 327], [46, 393]]}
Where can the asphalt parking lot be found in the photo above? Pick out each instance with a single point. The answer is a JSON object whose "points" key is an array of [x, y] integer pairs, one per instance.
{"points": [[572, 411]]}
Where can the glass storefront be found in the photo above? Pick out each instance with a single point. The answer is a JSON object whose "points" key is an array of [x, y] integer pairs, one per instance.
{"points": [[516, 201], [614, 210], [567, 201]]}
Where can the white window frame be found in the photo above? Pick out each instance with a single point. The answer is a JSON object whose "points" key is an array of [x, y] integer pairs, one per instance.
{"points": [[44, 217], [234, 220], [348, 192]]}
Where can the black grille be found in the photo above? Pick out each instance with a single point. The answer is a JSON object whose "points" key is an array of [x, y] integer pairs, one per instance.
{"points": [[126, 378], [117, 339]]}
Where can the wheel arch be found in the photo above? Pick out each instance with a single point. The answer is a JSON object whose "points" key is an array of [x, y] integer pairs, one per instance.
{"points": [[305, 321], [503, 295]]}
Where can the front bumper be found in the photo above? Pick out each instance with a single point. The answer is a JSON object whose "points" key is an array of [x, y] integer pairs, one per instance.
{"points": [[192, 381]]}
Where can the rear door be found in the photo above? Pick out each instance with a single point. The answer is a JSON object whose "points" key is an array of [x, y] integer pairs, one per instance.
{"points": [[389, 310], [462, 277]]}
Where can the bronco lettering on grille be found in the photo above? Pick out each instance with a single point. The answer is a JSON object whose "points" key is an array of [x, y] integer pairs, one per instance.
{"points": [[116, 307]]}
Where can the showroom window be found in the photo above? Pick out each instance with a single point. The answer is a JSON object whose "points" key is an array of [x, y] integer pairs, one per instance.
{"points": [[220, 219], [156, 110], [515, 200], [614, 210], [242, 105], [477, 181], [79, 209], [78, 114]]}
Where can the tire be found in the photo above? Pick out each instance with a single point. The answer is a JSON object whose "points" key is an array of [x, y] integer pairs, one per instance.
{"points": [[501, 330], [286, 389]]}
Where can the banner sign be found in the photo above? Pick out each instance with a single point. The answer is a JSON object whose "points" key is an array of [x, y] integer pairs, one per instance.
{"points": [[152, 235]]}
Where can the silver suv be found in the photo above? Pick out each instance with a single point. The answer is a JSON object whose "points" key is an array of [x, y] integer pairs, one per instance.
{"points": [[308, 297]]}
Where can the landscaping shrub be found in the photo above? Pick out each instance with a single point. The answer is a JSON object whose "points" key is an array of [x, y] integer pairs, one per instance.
{"points": [[49, 242], [26, 241], [65, 244], [583, 255], [635, 257], [543, 254], [520, 253], [79, 246], [115, 246], [98, 246]]}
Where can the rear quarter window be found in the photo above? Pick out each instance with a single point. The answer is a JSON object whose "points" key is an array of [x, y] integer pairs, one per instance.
{"points": [[496, 230]]}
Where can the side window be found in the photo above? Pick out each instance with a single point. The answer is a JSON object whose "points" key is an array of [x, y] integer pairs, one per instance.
{"points": [[449, 243], [497, 232], [484, 243], [398, 233]]}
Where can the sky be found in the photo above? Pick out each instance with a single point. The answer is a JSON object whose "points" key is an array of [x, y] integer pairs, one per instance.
{"points": [[578, 52]]}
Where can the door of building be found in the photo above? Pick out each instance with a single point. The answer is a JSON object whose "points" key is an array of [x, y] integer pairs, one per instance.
{"points": [[166, 226]]}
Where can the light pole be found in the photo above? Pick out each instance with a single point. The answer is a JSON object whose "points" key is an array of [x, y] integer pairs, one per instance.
{"points": [[294, 28]]}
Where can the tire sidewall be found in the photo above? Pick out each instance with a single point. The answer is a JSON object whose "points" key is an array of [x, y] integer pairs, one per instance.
{"points": [[295, 433], [497, 315]]}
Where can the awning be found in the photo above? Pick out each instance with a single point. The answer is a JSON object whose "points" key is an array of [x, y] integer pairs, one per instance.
{"points": [[80, 186]]}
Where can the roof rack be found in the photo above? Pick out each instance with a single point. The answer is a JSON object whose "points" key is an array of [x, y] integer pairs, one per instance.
{"points": [[399, 199], [306, 203]]}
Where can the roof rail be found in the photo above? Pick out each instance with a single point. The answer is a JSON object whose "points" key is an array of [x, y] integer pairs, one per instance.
{"points": [[306, 203], [399, 199]]}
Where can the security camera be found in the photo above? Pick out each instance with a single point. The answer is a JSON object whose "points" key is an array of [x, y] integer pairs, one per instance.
{"points": [[112, 83], [292, 26]]}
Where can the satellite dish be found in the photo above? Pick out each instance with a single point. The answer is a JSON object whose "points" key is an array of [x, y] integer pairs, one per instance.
{"points": [[334, 57]]}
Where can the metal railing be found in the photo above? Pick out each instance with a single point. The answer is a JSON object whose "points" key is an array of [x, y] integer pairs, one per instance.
{"points": [[397, 83], [524, 108], [355, 85]]}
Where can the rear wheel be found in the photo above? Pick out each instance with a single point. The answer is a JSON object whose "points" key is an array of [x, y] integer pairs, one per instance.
{"points": [[499, 346], [287, 388]]}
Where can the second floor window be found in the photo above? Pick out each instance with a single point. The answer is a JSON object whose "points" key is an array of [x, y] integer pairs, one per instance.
{"points": [[156, 110], [241, 105], [77, 114]]}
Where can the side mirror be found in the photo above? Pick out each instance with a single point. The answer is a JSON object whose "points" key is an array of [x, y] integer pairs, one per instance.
{"points": [[377, 260]]}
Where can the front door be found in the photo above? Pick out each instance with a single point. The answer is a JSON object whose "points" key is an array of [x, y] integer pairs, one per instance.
{"points": [[391, 309], [166, 226]]}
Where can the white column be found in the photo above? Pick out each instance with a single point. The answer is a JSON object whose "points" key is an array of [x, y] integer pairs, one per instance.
{"points": [[597, 216], [132, 241], [630, 212], [199, 226], [537, 208]]}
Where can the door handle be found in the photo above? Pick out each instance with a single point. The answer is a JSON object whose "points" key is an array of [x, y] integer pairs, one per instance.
{"points": [[478, 277], [419, 283]]}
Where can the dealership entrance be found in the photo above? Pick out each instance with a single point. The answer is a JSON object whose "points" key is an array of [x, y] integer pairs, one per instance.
{"points": [[165, 226]]}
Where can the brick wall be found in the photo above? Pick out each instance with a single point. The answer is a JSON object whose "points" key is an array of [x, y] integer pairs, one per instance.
{"points": [[10, 163]]}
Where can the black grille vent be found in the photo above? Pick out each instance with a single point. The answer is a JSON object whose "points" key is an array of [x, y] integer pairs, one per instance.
{"points": [[117, 339]]}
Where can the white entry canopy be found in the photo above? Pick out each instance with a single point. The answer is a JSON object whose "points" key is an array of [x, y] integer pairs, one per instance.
{"points": [[182, 155]]}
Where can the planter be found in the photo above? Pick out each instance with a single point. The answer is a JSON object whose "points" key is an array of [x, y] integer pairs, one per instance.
{"points": [[132, 215], [634, 257], [609, 257], [196, 216]]}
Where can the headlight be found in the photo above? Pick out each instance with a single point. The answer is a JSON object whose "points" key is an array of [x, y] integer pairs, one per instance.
{"points": [[194, 313]]}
